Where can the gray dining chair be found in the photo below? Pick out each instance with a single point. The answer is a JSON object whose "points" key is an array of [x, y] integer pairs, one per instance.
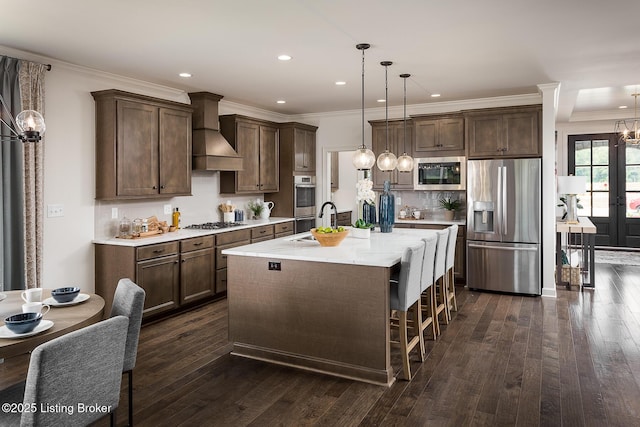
{"points": [[439, 285], [128, 301], [73, 380], [428, 312], [451, 302], [405, 294]]}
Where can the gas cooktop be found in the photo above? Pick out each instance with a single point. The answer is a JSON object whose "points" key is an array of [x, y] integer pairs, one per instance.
{"points": [[214, 225]]}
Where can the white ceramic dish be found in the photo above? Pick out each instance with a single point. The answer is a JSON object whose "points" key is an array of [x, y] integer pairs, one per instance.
{"points": [[43, 326], [2, 296], [77, 300]]}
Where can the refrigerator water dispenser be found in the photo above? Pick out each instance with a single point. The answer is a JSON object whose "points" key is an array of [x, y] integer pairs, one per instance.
{"points": [[483, 216]]}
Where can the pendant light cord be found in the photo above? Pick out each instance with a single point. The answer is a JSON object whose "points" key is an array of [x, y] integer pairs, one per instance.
{"points": [[404, 114], [386, 103], [363, 146]]}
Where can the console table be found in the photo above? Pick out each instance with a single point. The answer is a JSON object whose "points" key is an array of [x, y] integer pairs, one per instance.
{"points": [[587, 232]]}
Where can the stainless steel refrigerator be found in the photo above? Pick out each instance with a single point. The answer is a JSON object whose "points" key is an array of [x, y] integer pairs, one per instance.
{"points": [[503, 225]]}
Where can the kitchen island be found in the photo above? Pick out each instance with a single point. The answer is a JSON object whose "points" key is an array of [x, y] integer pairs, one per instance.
{"points": [[324, 309]]}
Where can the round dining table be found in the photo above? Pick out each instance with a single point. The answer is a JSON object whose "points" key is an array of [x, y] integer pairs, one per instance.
{"points": [[65, 318]]}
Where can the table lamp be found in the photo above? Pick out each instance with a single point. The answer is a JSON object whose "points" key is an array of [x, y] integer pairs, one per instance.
{"points": [[571, 186]]}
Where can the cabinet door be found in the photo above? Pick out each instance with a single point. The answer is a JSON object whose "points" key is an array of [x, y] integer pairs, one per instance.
{"points": [[175, 152], [401, 180], [197, 275], [137, 149], [426, 136], [484, 135], [451, 133], [269, 176], [160, 279], [378, 144], [335, 171], [248, 146], [304, 147], [521, 136]]}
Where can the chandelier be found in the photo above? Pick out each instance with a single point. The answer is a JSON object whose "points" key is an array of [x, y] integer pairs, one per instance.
{"points": [[363, 158], [28, 126], [629, 132]]}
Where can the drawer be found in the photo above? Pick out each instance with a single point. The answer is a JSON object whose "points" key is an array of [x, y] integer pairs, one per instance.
{"points": [[196, 243], [284, 227], [284, 234], [262, 239], [261, 232], [154, 251], [221, 259], [233, 236]]}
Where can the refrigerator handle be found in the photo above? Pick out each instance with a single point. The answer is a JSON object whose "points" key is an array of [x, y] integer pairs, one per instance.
{"points": [[504, 199]]}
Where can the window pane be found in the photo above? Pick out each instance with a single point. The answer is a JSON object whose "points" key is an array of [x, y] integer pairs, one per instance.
{"points": [[601, 152], [600, 204], [600, 178], [632, 153], [584, 204], [583, 153], [633, 205], [584, 171], [633, 178]]}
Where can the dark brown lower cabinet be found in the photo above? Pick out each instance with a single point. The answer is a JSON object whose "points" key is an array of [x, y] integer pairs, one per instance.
{"points": [[160, 279], [230, 239], [197, 269]]}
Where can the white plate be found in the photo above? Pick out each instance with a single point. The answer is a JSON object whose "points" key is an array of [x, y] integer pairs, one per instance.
{"points": [[43, 326], [77, 300], [2, 296]]}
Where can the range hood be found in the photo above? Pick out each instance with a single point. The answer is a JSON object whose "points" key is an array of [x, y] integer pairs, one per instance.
{"points": [[211, 151]]}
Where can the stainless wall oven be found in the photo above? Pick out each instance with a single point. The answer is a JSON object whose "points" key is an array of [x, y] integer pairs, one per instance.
{"points": [[304, 196]]}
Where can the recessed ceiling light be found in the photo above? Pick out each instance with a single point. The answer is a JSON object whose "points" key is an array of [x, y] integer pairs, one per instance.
{"points": [[281, 101], [622, 107], [435, 95], [380, 100], [341, 83], [284, 57], [185, 75]]}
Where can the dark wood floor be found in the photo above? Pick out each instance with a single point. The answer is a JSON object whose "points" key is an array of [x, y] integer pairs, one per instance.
{"points": [[504, 360]]}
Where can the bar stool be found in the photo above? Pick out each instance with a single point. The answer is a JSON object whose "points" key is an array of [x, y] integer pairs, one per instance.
{"points": [[427, 315], [440, 288], [405, 294], [451, 302]]}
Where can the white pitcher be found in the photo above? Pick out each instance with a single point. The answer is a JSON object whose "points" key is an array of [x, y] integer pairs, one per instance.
{"points": [[266, 209]]}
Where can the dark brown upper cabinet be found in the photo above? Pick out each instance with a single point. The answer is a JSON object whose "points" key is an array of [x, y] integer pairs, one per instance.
{"points": [[257, 141], [398, 180], [438, 135], [504, 132], [143, 146]]}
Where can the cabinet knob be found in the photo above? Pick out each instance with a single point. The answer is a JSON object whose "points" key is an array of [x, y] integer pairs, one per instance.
{"points": [[162, 187], [154, 187]]}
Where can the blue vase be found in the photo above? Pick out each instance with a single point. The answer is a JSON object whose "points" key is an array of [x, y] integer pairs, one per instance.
{"points": [[387, 209], [369, 213]]}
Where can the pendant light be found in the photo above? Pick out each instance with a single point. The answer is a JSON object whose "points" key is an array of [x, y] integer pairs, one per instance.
{"points": [[405, 162], [363, 158], [387, 161], [630, 133]]}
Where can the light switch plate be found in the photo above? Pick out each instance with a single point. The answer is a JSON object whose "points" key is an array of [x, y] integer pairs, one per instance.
{"points": [[167, 209], [54, 211]]}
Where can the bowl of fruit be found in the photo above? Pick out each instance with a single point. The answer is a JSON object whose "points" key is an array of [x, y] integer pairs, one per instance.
{"points": [[328, 236]]}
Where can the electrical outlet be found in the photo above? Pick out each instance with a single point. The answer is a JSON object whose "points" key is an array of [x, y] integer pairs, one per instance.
{"points": [[54, 211], [114, 213], [398, 201], [274, 265], [167, 209]]}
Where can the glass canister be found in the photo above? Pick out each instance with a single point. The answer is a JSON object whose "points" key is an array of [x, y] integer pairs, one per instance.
{"points": [[137, 226], [124, 229]]}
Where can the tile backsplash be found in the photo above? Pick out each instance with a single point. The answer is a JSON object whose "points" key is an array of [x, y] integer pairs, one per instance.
{"points": [[428, 202]]}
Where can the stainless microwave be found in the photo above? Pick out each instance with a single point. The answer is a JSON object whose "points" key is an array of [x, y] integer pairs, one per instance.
{"points": [[440, 173]]}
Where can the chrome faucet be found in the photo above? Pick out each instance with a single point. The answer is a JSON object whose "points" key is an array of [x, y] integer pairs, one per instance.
{"points": [[335, 213]]}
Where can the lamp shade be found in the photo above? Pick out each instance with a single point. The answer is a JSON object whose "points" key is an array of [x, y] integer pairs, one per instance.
{"points": [[572, 184]]}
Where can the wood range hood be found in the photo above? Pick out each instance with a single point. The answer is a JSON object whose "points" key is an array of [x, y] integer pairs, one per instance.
{"points": [[211, 151]]}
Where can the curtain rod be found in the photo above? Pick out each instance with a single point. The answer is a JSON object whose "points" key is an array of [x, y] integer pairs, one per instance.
{"points": [[46, 65]]}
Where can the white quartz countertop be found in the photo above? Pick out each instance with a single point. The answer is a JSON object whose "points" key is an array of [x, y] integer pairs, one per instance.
{"points": [[380, 250], [431, 221], [185, 233]]}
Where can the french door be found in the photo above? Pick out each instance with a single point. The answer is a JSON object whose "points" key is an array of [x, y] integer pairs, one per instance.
{"points": [[612, 200]]}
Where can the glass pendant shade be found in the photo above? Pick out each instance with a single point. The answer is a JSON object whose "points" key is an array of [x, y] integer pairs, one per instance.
{"points": [[387, 161], [405, 163], [363, 158], [31, 121]]}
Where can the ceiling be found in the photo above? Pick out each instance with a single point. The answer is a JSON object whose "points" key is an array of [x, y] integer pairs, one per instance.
{"points": [[462, 49]]}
